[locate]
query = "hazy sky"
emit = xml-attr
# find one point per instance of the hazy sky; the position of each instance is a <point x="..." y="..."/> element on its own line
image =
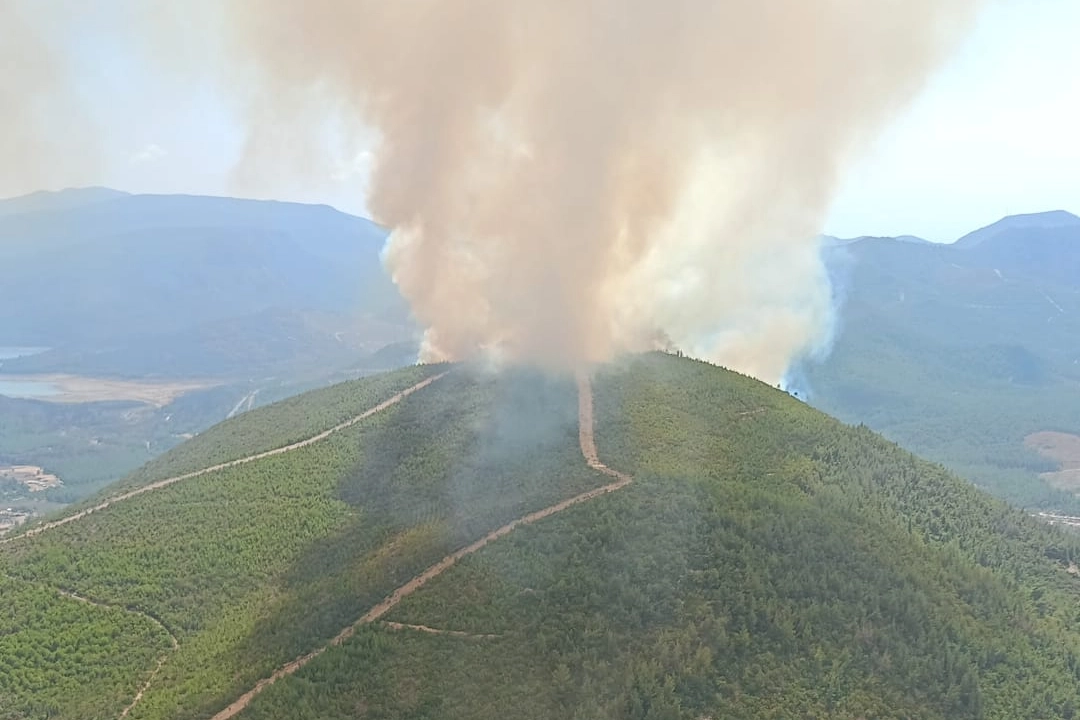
<point x="995" y="133"/>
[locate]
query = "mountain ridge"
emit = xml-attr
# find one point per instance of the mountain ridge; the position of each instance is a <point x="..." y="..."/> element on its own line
<point x="253" y="299"/>
<point x="250" y="293"/>
<point x="188" y="260"/>
<point x="53" y="200"/>
<point x="1025" y="221"/>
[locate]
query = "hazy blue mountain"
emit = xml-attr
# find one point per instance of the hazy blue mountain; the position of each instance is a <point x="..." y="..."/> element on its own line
<point x="960" y="351"/>
<point x="46" y="200"/>
<point x="276" y="341"/>
<point x="831" y="240"/>
<point x="92" y="271"/>
<point x="1009" y="226"/>
<point x="1045" y="246"/>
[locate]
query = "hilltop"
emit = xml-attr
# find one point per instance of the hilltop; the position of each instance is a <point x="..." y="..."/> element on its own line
<point x="667" y="540"/>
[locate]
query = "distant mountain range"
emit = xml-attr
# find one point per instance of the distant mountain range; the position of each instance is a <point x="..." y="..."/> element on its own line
<point x="960" y="351"/>
<point x="53" y="201"/>
<point x="148" y="285"/>
<point x="1054" y="221"/>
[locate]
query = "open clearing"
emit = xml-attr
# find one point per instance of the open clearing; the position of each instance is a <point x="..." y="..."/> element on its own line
<point x="80" y="389"/>
<point x="1064" y="448"/>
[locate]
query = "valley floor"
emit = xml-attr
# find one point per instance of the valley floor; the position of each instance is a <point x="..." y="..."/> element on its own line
<point x="63" y="388"/>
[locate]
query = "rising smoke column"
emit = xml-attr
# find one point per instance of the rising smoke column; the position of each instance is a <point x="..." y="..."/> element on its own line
<point x="46" y="137"/>
<point x="569" y="179"/>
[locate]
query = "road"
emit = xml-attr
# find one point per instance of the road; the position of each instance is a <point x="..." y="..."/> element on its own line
<point x="587" y="442"/>
<point x="157" y="485"/>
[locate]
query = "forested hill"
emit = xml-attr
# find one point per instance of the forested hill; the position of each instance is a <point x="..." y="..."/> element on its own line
<point x="449" y="553"/>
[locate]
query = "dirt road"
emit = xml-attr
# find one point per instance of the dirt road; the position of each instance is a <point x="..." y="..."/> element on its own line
<point x="106" y="606"/>
<point x="437" y="631"/>
<point x="221" y="466"/>
<point x="169" y="481"/>
<point x="161" y="660"/>
<point x="246" y="403"/>
<point x="160" y="625"/>
<point x="588" y="451"/>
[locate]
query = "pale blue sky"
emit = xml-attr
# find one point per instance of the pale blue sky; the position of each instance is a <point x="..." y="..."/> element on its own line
<point x="994" y="133"/>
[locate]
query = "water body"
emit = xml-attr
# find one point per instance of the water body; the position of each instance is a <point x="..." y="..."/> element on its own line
<point x="13" y="386"/>
<point x="17" y="387"/>
<point x="7" y="353"/>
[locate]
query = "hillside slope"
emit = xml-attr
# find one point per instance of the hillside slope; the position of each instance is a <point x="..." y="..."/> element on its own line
<point x="764" y="561"/>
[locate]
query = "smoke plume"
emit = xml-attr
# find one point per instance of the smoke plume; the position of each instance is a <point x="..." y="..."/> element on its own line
<point x="45" y="137"/>
<point x="564" y="179"/>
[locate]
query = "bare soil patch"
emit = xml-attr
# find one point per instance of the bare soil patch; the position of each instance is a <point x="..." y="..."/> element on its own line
<point x="1063" y="448"/>
<point x="80" y="389"/>
<point x="33" y="477"/>
<point x="437" y="631"/>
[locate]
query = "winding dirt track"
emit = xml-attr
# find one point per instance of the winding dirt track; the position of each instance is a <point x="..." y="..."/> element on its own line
<point x="231" y="463"/>
<point x="161" y="626"/>
<point x="437" y="631"/>
<point x="393" y="400"/>
<point x="588" y="451"/>
<point x="146" y="685"/>
<point x="80" y="598"/>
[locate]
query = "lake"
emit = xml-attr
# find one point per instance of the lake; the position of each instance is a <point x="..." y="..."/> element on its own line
<point x="7" y="353"/>
<point x="12" y="386"/>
